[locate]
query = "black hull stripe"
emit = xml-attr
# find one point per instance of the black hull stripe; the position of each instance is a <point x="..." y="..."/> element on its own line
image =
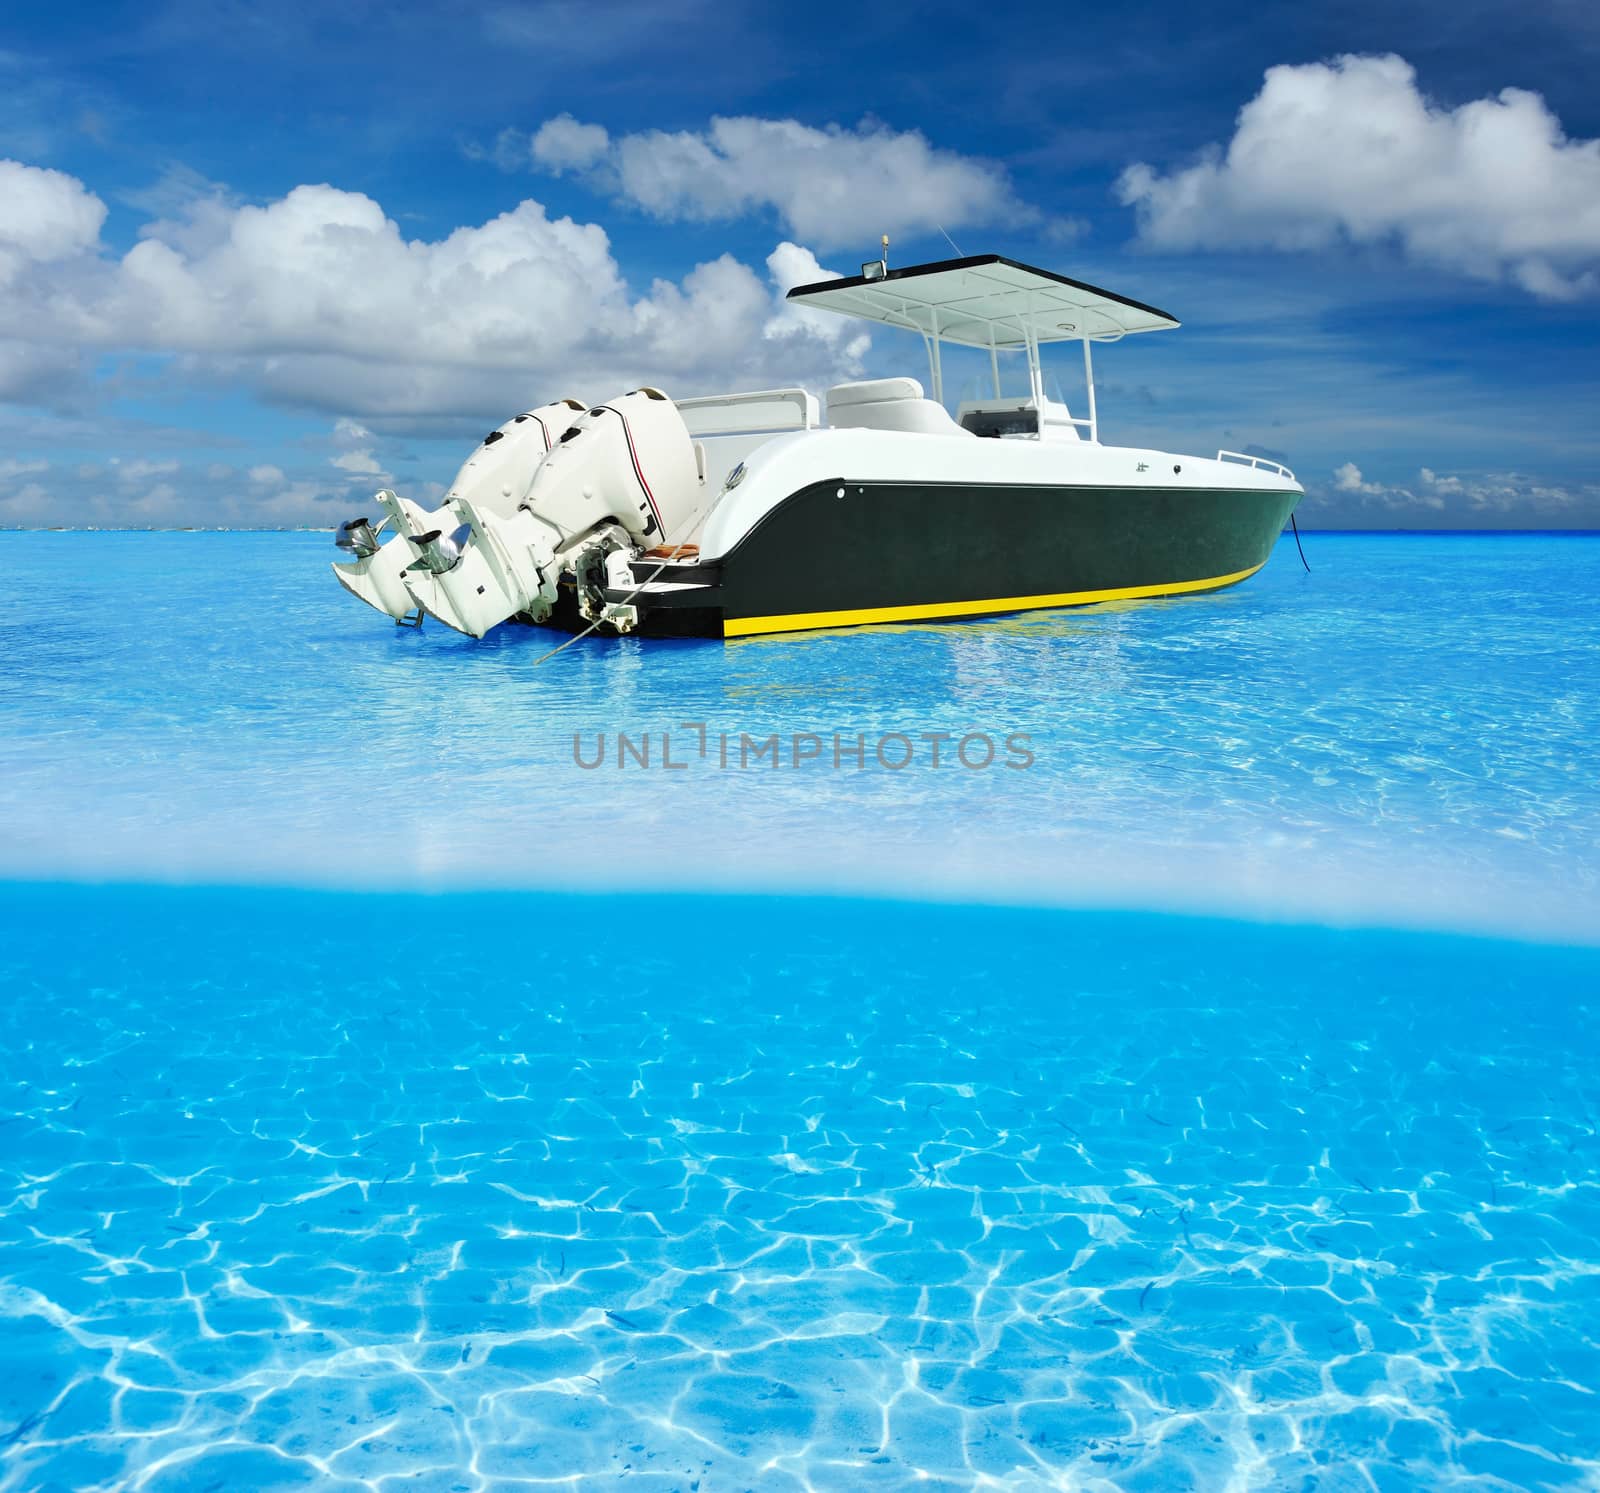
<point x="843" y="553"/>
<point x="897" y="551"/>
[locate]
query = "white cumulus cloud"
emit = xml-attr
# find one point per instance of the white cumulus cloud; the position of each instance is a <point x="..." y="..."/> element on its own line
<point x="790" y="265"/>
<point x="203" y="494"/>
<point x="318" y="299"/>
<point x="563" y="144"/>
<point x="1347" y="478"/>
<point x="1435" y="499"/>
<point x="141" y="470"/>
<point x="359" y="463"/>
<point x="832" y="186"/>
<point x="44" y="216"/>
<point x="1353" y="151"/>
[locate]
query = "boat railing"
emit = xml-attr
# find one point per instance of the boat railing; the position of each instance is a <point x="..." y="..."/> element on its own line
<point x="1256" y="461"/>
<point x="757" y="412"/>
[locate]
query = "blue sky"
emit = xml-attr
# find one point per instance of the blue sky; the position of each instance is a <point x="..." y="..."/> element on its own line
<point x="257" y="261"/>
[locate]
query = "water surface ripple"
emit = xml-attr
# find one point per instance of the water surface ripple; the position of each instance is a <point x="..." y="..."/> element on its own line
<point x="1407" y="733"/>
<point x="511" y="1191"/>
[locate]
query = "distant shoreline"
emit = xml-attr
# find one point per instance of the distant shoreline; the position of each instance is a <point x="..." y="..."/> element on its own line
<point x="329" y="529"/>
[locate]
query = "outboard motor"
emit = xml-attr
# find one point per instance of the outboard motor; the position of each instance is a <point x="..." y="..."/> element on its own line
<point x="621" y="478"/>
<point x="375" y="574"/>
<point x="497" y="473"/>
<point x="438" y="553"/>
<point x="357" y="538"/>
<point x="630" y="460"/>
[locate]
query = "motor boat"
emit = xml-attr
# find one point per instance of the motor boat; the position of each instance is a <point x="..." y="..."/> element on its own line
<point x="730" y="515"/>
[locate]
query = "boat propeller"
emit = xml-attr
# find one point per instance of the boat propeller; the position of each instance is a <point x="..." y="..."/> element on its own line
<point x="357" y="538"/>
<point x="439" y="552"/>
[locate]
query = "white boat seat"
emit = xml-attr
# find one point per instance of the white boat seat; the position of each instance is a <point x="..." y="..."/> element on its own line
<point x="873" y="391"/>
<point x="888" y="404"/>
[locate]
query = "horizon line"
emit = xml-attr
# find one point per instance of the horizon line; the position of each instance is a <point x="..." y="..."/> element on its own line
<point x="333" y="528"/>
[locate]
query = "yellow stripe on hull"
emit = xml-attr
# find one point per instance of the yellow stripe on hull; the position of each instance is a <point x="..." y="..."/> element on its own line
<point x="742" y="627"/>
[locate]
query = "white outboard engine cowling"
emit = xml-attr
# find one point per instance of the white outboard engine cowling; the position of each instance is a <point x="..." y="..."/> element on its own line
<point x="497" y="475"/>
<point x="630" y="461"/>
<point x="622" y="478"/>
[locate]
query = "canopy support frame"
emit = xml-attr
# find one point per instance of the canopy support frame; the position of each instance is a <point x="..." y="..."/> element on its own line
<point x="1088" y="379"/>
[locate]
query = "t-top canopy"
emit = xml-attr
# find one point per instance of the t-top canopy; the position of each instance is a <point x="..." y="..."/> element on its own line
<point x="985" y="301"/>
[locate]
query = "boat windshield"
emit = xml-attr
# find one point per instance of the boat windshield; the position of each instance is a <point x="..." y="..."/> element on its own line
<point x="1014" y="381"/>
<point x="1007" y="424"/>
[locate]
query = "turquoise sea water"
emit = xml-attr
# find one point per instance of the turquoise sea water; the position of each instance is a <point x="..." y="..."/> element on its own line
<point x="1407" y="733"/>
<point x="575" y="1183"/>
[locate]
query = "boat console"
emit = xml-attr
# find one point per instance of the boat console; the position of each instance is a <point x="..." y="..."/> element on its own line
<point x="1019" y="419"/>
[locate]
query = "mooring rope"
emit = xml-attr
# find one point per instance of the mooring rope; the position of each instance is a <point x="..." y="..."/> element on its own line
<point x="1296" y="527"/>
<point x="701" y="515"/>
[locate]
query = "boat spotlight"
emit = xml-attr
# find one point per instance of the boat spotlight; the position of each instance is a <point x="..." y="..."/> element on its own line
<point x="357" y="538"/>
<point x="438" y="552"/>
